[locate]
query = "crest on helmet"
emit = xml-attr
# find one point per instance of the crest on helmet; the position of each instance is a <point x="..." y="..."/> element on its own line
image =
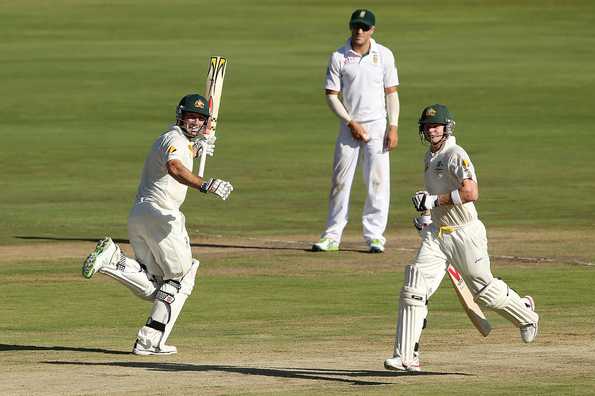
<point x="430" y="112"/>
<point x="199" y="104"/>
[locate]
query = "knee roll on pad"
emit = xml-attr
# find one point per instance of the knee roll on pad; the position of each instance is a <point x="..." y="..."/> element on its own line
<point x="505" y="301"/>
<point x="167" y="292"/>
<point x="494" y="295"/>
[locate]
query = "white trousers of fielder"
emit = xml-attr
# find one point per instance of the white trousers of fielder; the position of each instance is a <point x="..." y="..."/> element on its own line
<point x="376" y="173"/>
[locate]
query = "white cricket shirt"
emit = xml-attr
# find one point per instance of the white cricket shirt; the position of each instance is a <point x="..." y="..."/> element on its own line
<point x="362" y="79"/>
<point x="445" y="171"/>
<point x="156" y="185"/>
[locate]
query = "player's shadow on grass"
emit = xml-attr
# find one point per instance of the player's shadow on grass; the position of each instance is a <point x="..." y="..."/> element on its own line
<point x="198" y="245"/>
<point x="8" y="347"/>
<point x="354" y="377"/>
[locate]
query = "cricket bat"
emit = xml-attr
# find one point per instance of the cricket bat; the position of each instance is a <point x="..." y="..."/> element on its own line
<point x="473" y="310"/>
<point x="213" y="91"/>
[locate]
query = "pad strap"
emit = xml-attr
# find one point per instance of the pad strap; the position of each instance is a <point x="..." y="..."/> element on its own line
<point x="155" y="325"/>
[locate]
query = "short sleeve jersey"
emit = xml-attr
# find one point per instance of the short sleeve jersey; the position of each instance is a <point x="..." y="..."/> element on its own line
<point x="156" y="185"/>
<point x="445" y="171"/>
<point x="362" y="79"/>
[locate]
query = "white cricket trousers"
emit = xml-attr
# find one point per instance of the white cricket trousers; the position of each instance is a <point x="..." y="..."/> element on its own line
<point x="465" y="247"/>
<point x="160" y="240"/>
<point x="376" y="173"/>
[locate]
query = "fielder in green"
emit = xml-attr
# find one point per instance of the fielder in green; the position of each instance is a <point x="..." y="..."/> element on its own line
<point x="452" y="235"/>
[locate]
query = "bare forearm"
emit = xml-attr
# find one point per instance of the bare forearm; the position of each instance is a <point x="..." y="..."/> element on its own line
<point x="183" y="175"/>
<point x="468" y="192"/>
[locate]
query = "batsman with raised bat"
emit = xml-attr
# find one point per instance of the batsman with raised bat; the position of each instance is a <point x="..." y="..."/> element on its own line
<point x="453" y="235"/>
<point x="162" y="270"/>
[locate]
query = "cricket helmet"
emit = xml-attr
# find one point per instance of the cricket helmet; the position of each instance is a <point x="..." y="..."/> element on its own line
<point x="436" y="114"/>
<point x="193" y="103"/>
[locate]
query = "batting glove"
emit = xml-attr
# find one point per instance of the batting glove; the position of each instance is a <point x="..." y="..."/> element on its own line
<point x="206" y="144"/>
<point x="420" y="222"/>
<point x="219" y="187"/>
<point x="422" y="200"/>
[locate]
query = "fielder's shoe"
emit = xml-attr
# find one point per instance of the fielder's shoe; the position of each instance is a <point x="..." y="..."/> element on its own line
<point x="326" y="245"/>
<point x="148" y="350"/>
<point x="105" y="252"/>
<point x="396" y="364"/>
<point x="376" y="246"/>
<point x="529" y="331"/>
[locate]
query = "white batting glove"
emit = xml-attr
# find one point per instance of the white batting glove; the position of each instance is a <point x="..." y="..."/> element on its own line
<point x="206" y="144"/>
<point x="219" y="187"/>
<point x="422" y="200"/>
<point x="421" y="222"/>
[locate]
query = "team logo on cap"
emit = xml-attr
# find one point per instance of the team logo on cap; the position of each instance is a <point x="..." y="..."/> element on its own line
<point x="199" y="104"/>
<point x="430" y="112"/>
<point x="362" y="13"/>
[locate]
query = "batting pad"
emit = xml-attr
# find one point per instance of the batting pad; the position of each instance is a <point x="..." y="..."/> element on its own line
<point x="505" y="301"/>
<point x="412" y="314"/>
<point x="169" y="300"/>
<point x="130" y="273"/>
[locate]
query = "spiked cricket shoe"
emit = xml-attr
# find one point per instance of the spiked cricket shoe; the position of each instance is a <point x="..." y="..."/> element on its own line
<point x="326" y="245"/>
<point x="148" y="350"/>
<point x="376" y="246"/>
<point x="396" y="364"/>
<point x="529" y="331"/>
<point x="104" y="254"/>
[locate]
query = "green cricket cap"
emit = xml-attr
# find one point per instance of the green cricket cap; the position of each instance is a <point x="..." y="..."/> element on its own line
<point x="362" y="16"/>
<point x="193" y="103"/>
<point x="435" y="114"/>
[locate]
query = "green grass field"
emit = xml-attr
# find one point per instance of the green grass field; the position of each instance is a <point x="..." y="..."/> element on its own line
<point x="88" y="85"/>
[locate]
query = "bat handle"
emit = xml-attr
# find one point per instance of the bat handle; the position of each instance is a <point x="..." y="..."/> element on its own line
<point x="201" y="166"/>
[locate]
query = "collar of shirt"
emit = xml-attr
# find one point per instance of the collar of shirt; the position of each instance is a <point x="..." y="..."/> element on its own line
<point x="179" y="131"/>
<point x="450" y="141"/>
<point x="373" y="48"/>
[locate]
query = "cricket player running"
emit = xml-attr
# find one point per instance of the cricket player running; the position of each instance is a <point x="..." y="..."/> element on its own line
<point x="454" y="235"/>
<point x="163" y="269"/>
<point x="364" y="73"/>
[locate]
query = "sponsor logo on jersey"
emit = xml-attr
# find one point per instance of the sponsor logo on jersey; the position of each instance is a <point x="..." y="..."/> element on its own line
<point x="375" y="59"/>
<point x="465" y="164"/>
<point x="171" y="150"/>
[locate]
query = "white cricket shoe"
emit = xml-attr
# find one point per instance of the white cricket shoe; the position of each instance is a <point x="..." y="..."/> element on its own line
<point x="106" y="253"/>
<point x="396" y="364"/>
<point x="529" y="331"/>
<point x="326" y="245"/>
<point x="376" y="246"/>
<point x="149" y="350"/>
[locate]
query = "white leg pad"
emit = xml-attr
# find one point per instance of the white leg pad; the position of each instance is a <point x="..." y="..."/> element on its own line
<point x="131" y="274"/>
<point x="505" y="301"/>
<point x="169" y="300"/>
<point x="412" y="314"/>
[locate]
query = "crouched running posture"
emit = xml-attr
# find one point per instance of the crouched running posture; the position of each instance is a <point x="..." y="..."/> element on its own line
<point x="163" y="270"/>
<point x="453" y="235"/>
